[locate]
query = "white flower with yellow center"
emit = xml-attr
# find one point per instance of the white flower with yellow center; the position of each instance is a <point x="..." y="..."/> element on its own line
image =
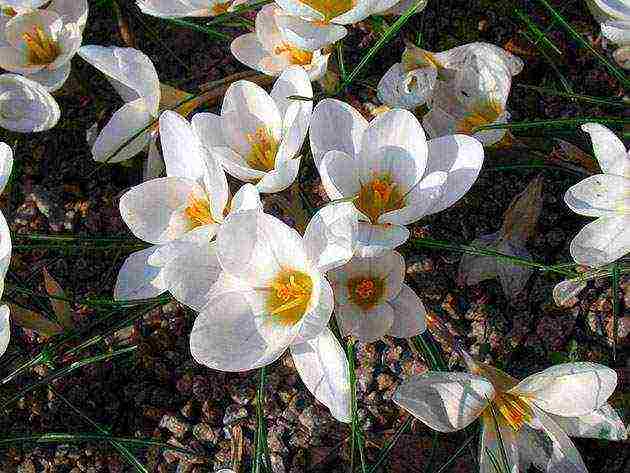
<point x="272" y="295"/>
<point x="534" y="416"/>
<point x="394" y="175"/>
<point x="41" y="43"/>
<point x="186" y="8"/>
<point x="258" y="136"/>
<point x="465" y="87"/>
<point x="371" y="299"/>
<point x="178" y="214"/>
<point x="26" y="106"/>
<point x="269" y="51"/>
<point x="605" y="196"/>
<point x="6" y="164"/>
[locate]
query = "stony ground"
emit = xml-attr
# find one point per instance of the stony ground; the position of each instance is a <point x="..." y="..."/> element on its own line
<point x="161" y="392"/>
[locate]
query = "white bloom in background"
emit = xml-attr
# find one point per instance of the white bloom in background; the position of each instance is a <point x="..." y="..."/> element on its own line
<point x="614" y="17"/>
<point x="394" y="174"/>
<point x="465" y="87"/>
<point x="272" y="295"/>
<point x="6" y="164"/>
<point x="371" y="299"/>
<point x="40" y="44"/>
<point x="179" y="215"/>
<point x="605" y="196"/>
<point x="534" y="416"/>
<point x="26" y="106"/>
<point x="270" y="52"/>
<point x="71" y="11"/>
<point x="314" y="24"/>
<point x="400" y="7"/>
<point x="185" y="8"/>
<point x="258" y="136"/>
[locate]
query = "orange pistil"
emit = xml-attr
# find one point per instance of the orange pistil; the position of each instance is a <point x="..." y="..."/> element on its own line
<point x="42" y="49"/>
<point x="513" y="409"/>
<point x="262" y="155"/>
<point x="198" y="211"/>
<point x="296" y="56"/>
<point x="365" y="292"/>
<point x="221" y="8"/>
<point x="484" y="113"/>
<point x="379" y="196"/>
<point x="289" y="296"/>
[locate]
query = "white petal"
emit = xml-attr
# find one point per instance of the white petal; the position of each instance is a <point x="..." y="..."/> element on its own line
<point x="25" y="105"/>
<point x="394" y="91"/>
<point x="137" y="279"/>
<point x="445" y="401"/>
<point x="409" y="314"/>
<point x="5" y="250"/>
<point x="316" y="320"/>
<point x="323" y="367"/>
<point x="280" y="178"/>
<point x="176" y="8"/>
<point x="235" y="165"/>
<point x="368" y="325"/>
<point x="5" y="329"/>
<point x="617" y="32"/>
<point x="298" y="8"/>
<point x="339" y="174"/>
<point x="335" y="125"/>
<point x="246" y="198"/>
<point x="609" y="150"/>
<point x="184" y="155"/>
<point x="52" y="79"/>
<point x="376" y="239"/>
<point x="154" y="164"/>
<point x="71" y="11"/>
<point x="246" y="98"/>
<point x="249" y="50"/>
<point x="208" y="128"/>
<point x="569" y="389"/>
<point x="599" y="195"/>
<point x="266" y="28"/>
<point x="604" y="423"/>
<point x="603" y="241"/>
<point x="308" y="35"/>
<point x="293" y="81"/>
<point x="330" y="236"/>
<point x="6" y="164"/>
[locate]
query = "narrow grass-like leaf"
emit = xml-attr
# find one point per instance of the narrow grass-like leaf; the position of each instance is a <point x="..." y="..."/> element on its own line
<point x="504" y="457"/>
<point x="554" y="123"/>
<point x="616" y="306"/>
<point x="387" y="448"/>
<point x="584" y="98"/>
<point x="456" y="455"/>
<point x="261" y="429"/>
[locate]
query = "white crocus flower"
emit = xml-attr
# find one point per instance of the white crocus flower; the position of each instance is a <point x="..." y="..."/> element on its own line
<point x="272" y="295"/>
<point x="314" y="24"/>
<point x="71" y="11"/>
<point x="269" y="51"/>
<point x="394" y="174"/>
<point x="259" y="135"/>
<point x="187" y="8"/>
<point x="26" y="106"/>
<point x="177" y="214"/>
<point x="6" y="164"/>
<point x="465" y="87"/>
<point x="605" y="196"/>
<point x="40" y="44"/>
<point x="614" y="17"/>
<point x="371" y="299"/>
<point x="400" y="7"/>
<point x="534" y="416"/>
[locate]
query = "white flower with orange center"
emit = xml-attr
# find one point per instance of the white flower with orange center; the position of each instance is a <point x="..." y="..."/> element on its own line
<point x="371" y="299"/>
<point x="178" y="214"/>
<point x="26" y="106"/>
<point x="41" y="43"/>
<point x="188" y="8"/>
<point x="258" y="136"/>
<point x="269" y="51"/>
<point x="534" y="416"/>
<point x="272" y="295"/>
<point x="6" y="165"/>
<point x="604" y="196"/>
<point x="465" y="87"/>
<point x="394" y="175"/>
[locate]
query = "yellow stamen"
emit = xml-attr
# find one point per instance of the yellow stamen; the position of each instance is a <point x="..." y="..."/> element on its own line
<point x="514" y="410"/>
<point x="366" y="292"/>
<point x="415" y="58"/>
<point x="42" y="49"/>
<point x="330" y="8"/>
<point x="289" y="296"/>
<point x="296" y="56"/>
<point x="198" y="211"/>
<point x="484" y="113"/>
<point x="379" y="196"/>
<point x="262" y="156"/>
<point x="221" y="8"/>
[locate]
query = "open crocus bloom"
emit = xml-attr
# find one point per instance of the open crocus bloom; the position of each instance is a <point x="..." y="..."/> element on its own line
<point x="6" y="164"/>
<point x="465" y="87"/>
<point x="26" y="106"/>
<point x="313" y="24"/>
<point x="40" y="45"/>
<point x="371" y="299"/>
<point x="394" y="174"/>
<point x="178" y="214"/>
<point x="185" y="8"/>
<point x="269" y="51"/>
<point x="399" y="7"/>
<point x="534" y="416"/>
<point x="259" y="135"/>
<point x="272" y="295"/>
<point x="605" y="196"/>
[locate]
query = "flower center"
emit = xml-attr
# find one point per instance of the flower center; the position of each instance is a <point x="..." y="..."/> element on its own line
<point x="330" y="8"/>
<point x="296" y="56"/>
<point x="417" y="58"/>
<point x="289" y="296"/>
<point x="42" y="49"/>
<point x="481" y="114"/>
<point x="198" y="211"/>
<point x="365" y="292"/>
<point x="220" y="8"/>
<point x="513" y="409"/>
<point x="262" y="156"/>
<point x="379" y="196"/>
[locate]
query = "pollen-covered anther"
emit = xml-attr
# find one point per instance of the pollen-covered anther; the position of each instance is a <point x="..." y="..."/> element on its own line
<point x="366" y="292"/>
<point x="289" y="296"/>
<point x="42" y="49"/>
<point x="264" y="147"/>
<point x="379" y="196"/>
<point x="198" y="211"/>
<point x="331" y="8"/>
<point x="484" y="113"/>
<point x="296" y="56"/>
<point x="514" y="410"/>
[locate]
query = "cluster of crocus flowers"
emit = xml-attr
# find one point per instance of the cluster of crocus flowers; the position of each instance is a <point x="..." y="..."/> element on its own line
<point x="465" y="88"/>
<point x="605" y="196"/>
<point x="524" y="423"/>
<point x="6" y="164"/>
<point x="394" y="175"/>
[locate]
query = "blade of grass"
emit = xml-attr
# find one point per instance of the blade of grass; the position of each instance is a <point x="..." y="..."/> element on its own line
<point x="556" y="122"/>
<point x="355" y="440"/>
<point x="616" y="308"/>
<point x="201" y="29"/>
<point x="260" y="434"/>
<point x="387" y="448"/>
<point x="504" y="457"/>
<point x="456" y="455"/>
<point x="584" y="98"/>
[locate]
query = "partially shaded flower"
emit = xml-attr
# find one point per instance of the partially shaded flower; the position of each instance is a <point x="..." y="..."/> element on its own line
<point x="186" y="8"/>
<point x="270" y="51"/>
<point x="605" y="196"/>
<point x="534" y="417"/>
<point x="395" y="176"/>
<point x="258" y="136"/>
<point x="371" y="299"/>
<point x="25" y="105"/>
<point x="6" y="164"/>
<point x="272" y="295"/>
